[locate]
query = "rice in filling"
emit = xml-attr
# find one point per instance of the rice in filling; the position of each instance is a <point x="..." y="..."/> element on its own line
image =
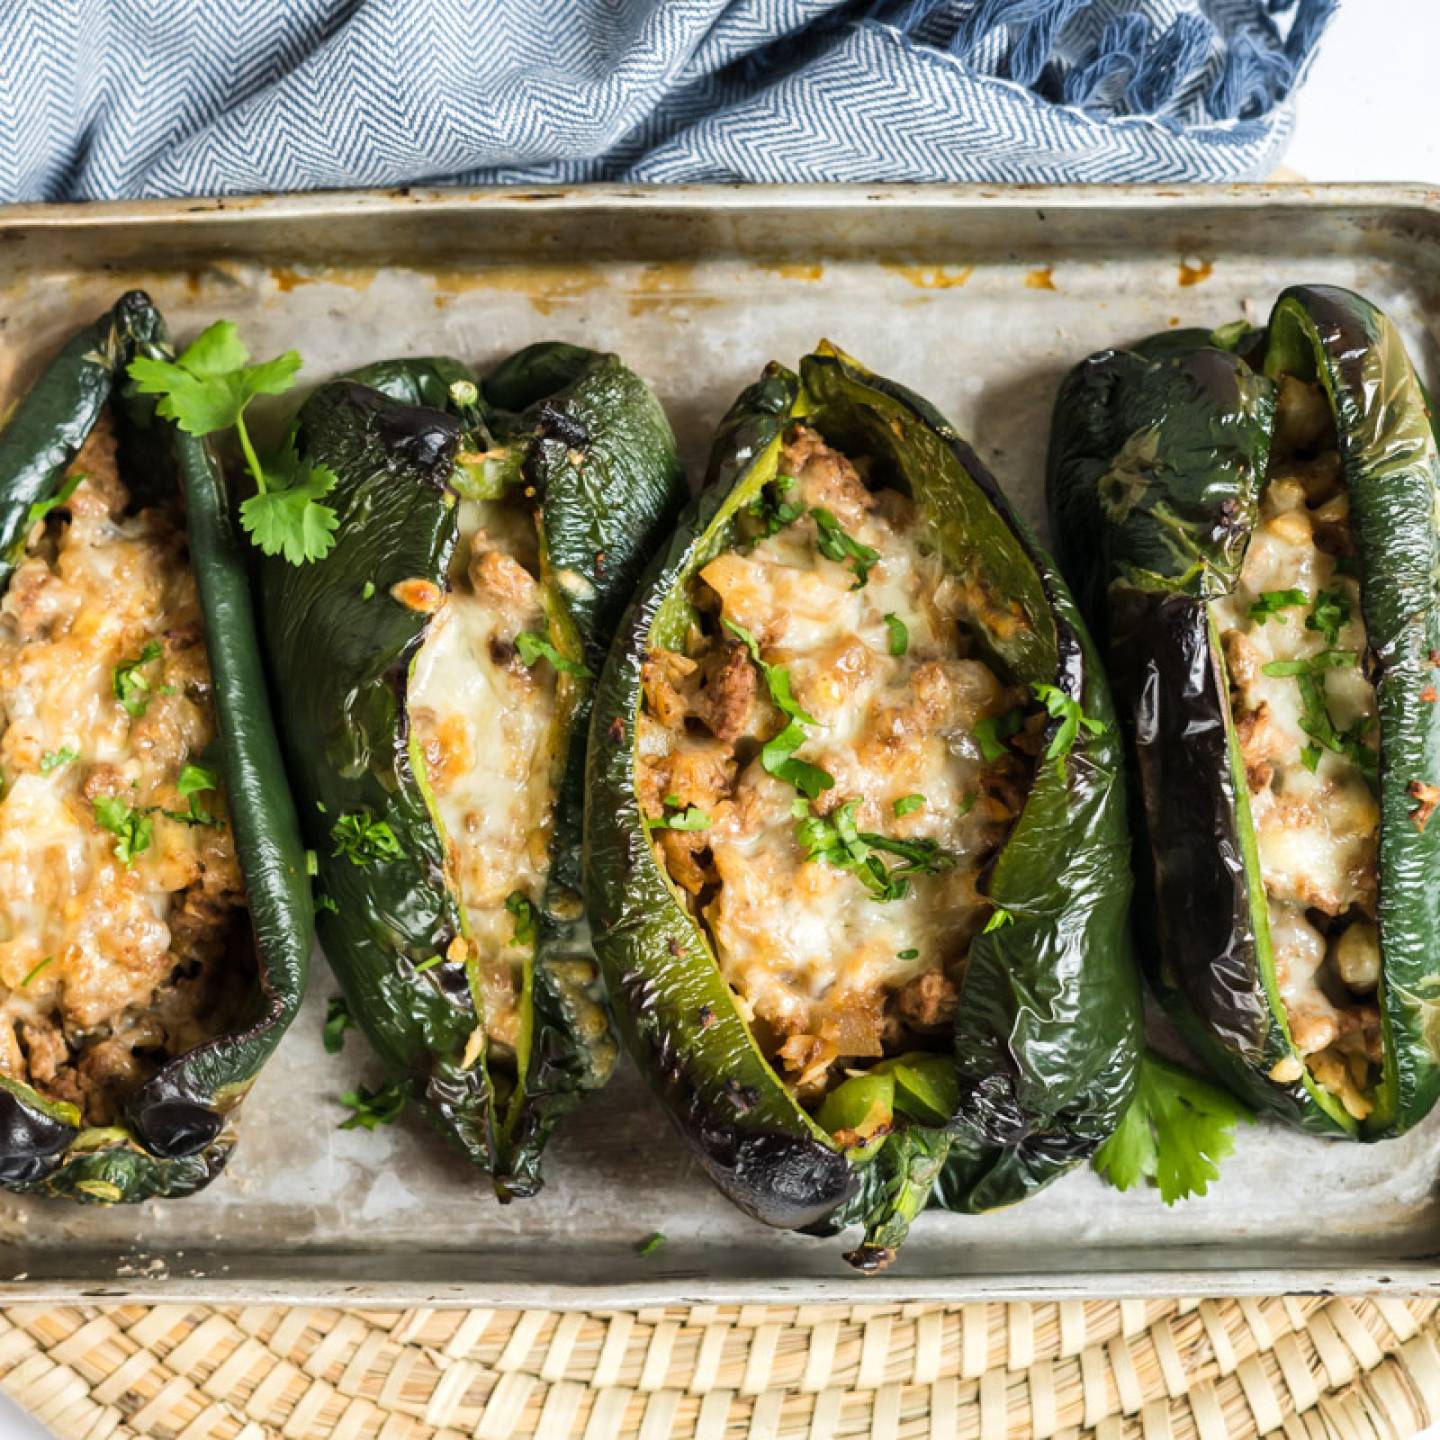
<point x="827" y="971"/>
<point x="1305" y="717"/>
<point x="123" y="935"/>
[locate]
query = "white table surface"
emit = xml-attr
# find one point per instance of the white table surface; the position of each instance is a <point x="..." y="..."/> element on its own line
<point x="1370" y="111"/>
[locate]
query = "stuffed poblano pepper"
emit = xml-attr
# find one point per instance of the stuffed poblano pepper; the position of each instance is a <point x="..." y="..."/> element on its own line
<point x="1251" y="516"/>
<point x="856" y="848"/>
<point x="435" y="673"/>
<point x="155" y="918"/>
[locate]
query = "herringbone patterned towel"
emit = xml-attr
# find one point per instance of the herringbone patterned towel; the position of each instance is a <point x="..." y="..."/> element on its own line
<point x="111" y="98"/>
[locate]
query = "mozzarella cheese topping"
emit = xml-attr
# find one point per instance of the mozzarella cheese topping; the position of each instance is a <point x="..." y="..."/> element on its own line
<point x="1307" y="742"/>
<point x="823" y="968"/>
<point x="107" y="965"/>
<point x="486" y="725"/>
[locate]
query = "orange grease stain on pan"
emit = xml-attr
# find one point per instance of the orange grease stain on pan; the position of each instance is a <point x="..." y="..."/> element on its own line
<point x="668" y="284"/>
<point x="1197" y="273"/>
<point x="933" y="277"/>
<point x="350" y="277"/>
<point x="1041" y="279"/>
<point x="545" y="286"/>
<point x="795" y="271"/>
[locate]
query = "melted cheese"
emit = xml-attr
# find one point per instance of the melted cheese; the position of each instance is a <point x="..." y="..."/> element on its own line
<point x="807" y="948"/>
<point x="1317" y="832"/>
<point x="96" y="937"/>
<point x="486" y="727"/>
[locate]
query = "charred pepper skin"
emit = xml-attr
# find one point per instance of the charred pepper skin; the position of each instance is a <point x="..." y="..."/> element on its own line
<point x="1157" y="459"/>
<point x="1037" y="1095"/>
<point x="178" y="1129"/>
<point x="597" y="460"/>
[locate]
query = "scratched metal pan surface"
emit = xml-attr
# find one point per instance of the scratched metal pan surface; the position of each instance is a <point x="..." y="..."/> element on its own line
<point x="980" y="300"/>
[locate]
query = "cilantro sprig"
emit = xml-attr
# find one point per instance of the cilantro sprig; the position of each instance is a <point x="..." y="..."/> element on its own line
<point x="207" y="388"/>
<point x="1175" y="1132"/>
<point x="363" y="839"/>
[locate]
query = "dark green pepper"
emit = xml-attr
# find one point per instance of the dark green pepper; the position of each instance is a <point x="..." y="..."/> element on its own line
<point x="178" y="1127"/>
<point x="1158" y="465"/>
<point x="580" y="443"/>
<point x="1048" y="1023"/>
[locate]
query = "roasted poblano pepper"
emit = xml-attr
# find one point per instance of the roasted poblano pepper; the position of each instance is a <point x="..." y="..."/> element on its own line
<point x="1251" y="518"/>
<point x="168" y="1072"/>
<point x="435" y="674"/>
<point x="856" y="967"/>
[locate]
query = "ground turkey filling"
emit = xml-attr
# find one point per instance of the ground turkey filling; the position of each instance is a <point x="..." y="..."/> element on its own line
<point x="1305" y="717"/>
<point x="122" y="934"/>
<point x="486" y="723"/>
<point x="853" y="619"/>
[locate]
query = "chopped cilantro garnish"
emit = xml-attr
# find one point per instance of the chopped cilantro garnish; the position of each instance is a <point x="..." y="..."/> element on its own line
<point x="534" y="647"/>
<point x="131" y="828"/>
<point x="1000" y="918"/>
<point x="41" y="508"/>
<point x="131" y="688"/>
<point x="1331" y="611"/>
<point x="363" y="840"/>
<point x="907" y="954"/>
<point x="908" y="804"/>
<point x="899" y="634"/>
<point x="992" y="732"/>
<point x="650" y="1244"/>
<point x="1272" y="602"/>
<point x="207" y="388"/>
<point x="835" y="544"/>
<point x="1310" y="664"/>
<point x="326" y="902"/>
<point x="38" y="969"/>
<point x="194" y="781"/>
<point x="337" y="1021"/>
<point x="429" y="964"/>
<point x="367" y="590"/>
<point x="53" y="759"/>
<point x="373" y="1107"/>
<point x="1071" y="717"/>
<point x="1310" y="757"/>
<point x="836" y="840"/>
<point x="1175" y="1132"/>
<point x="771" y="510"/>
<point x="680" y="818"/>
<point x="524" y="915"/>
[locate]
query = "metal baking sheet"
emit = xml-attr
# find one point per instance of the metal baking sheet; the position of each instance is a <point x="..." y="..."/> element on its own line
<point x="979" y="299"/>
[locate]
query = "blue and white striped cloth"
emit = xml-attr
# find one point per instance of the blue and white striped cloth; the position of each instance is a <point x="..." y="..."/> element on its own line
<point x="106" y="98"/>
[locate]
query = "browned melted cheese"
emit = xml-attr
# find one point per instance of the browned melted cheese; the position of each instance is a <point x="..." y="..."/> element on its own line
<point x="825" y="971"/>
<point x="106" y="968"/>
<point x="1317" y="830"/>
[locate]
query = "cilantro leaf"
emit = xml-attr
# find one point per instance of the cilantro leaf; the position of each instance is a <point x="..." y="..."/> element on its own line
<point x="363" y="840"/>
<point x="993" y="731"/>
<point x="1175" y="1132"/>
<point x="337" y="1022"/>
<point x="54" y="759"/>
<point x="1072" y="718"/>
<point x="908" y="804"/>
<point x="41" y="508"/>
<point x="899" y="634"/>
<point x="771" y="510"/>
<point x="687" y="818"/>
<point x="1310" y="664"/>
<point x="195" y="780"/>
<point x="838" y="841"/>
<point x="130" y="687"/>
<point x="374" y="1107"/>
<point x="777" y="759"/>
<point x="1000" y="917"/>
<point x="650" y="1244"/>
<point x="131" y="828"/>
<point x="1272" y="602"/>
<point x="834" y="543"/>
<point x="534" y="647"/>
<point x="524" y="913"/>
<point x="1331" y="611"/>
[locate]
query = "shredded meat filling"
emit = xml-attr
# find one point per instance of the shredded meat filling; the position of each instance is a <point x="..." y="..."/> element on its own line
<point x="122" y="935"/>
<point x="861" y="657"/>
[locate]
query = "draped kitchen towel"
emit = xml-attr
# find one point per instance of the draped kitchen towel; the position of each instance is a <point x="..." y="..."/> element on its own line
<point x="107" y="98"/>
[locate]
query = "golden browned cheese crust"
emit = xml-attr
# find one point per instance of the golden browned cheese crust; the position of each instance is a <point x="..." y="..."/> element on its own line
<point x="108" y="968"/>
<point x="824" y="970"/>
<point x="1315" y="813"/>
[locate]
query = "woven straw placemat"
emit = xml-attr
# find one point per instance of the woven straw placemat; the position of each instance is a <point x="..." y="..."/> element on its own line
<point x="1306" y="1367"/>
